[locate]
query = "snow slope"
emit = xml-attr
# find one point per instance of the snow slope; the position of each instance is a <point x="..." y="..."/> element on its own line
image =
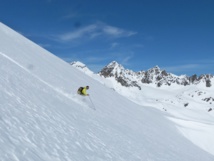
<point x="190" y="107"/>
<point x="42" y="118"/>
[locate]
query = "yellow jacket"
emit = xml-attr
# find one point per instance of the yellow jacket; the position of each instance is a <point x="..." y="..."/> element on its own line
<point x="84" y="91"/>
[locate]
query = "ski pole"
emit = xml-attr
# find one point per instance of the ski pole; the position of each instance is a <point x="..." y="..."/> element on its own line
<point x="92" y="103"/>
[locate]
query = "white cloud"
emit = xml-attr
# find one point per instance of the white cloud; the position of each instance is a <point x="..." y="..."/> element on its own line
<point x="78" y="34"/>
<point x="117" y="32"/>
<point x="113" y="45"/>
<point x="126" y="59"/>
<point x="96" y="30"/>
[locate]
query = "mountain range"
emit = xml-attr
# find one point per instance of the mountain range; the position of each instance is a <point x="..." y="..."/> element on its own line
<point x="124" y="81"/>
<point x="155" y="75"/>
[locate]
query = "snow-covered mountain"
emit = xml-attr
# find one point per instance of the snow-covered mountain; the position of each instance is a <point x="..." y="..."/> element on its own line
<point x="43" y="119"/>
<point x="192" y="102"/>
<point x="154" y="75"/>
<point x="121" y="79"/>
<point x="82" y="67"/>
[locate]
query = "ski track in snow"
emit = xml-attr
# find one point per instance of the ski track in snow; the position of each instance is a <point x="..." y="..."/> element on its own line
<point x="73" y="97"/>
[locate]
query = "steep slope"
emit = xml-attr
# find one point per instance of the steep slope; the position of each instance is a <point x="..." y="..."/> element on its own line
<point x="43" y="119"/>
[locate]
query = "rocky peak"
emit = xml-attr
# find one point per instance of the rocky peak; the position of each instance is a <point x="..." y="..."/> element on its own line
<point x="154" y="70"/>
<point x="205" y="78"/>
<point x="152" y="76"/>
<point x="112" y="69"/>
<point x="123" y="76"/>
<point x="114" y="64"/>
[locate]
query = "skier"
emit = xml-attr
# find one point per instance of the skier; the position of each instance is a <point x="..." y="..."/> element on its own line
<point x="82" y="91"/>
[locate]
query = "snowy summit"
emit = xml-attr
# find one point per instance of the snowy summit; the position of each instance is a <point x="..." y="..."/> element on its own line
<point x="82" y="67"/>
<point x="43" y="119"/>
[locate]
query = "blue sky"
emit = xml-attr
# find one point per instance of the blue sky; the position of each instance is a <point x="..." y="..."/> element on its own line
<point x="176" y="35"/>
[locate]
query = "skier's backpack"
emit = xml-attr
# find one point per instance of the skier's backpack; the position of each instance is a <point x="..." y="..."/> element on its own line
<point x="80" y="90"/>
